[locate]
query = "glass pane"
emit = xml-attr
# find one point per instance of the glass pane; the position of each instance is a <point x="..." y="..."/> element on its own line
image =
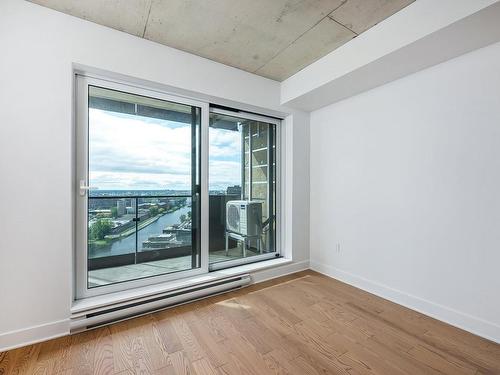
<point x="143" y="208"/>
<point x="169" y="236"/>
<point x="111" y="237"/>
<point x="241" y="188"/>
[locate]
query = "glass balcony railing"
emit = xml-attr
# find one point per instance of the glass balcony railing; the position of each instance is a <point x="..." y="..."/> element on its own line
<point x="130" y="229"/>
<point x="135" y="236"/>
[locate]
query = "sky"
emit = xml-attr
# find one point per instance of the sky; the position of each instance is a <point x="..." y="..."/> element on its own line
<point x="128" y="152"/>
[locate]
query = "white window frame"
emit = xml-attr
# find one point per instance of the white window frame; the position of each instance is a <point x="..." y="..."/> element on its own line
<point x="277" y="247"/>
<point x="82" y="81"/>
<point x="82" y="84"/>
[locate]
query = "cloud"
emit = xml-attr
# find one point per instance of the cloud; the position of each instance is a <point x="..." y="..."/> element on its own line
<point x="132" y="152"/>
<point x="225" y="144"/>
<point x="223" y="174"/>
<point x="131" y="144"/>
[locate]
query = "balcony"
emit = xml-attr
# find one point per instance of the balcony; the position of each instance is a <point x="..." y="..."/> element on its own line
<point x="136" y="236"/>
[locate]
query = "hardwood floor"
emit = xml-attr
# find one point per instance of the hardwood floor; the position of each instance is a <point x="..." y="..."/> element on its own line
<point x="304" y="323"/>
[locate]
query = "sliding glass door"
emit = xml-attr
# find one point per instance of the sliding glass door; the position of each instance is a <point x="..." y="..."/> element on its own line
<point x="139" y="187"/>
<point x="242" y="188"/>
<point x="167" y="188"/>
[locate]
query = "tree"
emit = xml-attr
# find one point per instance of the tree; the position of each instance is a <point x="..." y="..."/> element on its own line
<point x="183" y="218"/>
<point x="100" y="228"/>
<point x="114" y="212"/>
<point x="153" y="210"/>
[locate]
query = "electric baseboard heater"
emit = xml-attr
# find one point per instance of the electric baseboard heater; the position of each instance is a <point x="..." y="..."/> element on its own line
<point x="133" y="308"/>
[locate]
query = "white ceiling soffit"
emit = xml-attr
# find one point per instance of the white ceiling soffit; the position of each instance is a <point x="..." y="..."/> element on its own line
<point x="271" y="38"/>
<point x="422" y="35"/>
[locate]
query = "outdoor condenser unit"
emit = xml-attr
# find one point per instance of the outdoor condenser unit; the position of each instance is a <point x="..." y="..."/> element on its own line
<point x="244" y="217"/>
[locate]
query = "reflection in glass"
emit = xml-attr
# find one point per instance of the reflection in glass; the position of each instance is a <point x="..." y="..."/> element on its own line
<point x="242" y="188"/>
<point x="143" y="218"/>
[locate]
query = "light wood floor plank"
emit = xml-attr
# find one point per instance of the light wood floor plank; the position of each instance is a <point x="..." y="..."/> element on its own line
<point x="304" y="323"/>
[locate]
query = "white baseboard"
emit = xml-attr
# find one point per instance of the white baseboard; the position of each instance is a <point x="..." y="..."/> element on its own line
<point x="32" y="335"/>
<point x="43" y="332"/>
<point x="272" y="273"/>
<point x="469" y="323"/>
<point x="15" y="339"/>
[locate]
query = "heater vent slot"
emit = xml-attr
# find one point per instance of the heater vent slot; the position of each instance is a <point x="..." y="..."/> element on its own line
<point x="155" y="303"/>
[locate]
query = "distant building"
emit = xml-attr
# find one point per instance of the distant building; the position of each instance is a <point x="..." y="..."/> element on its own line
<point x="120" y="207"/>
<point x="233" y="190"/>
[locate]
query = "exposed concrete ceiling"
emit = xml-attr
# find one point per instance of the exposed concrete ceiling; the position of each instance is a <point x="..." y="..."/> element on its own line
<point x="271" y="38"/>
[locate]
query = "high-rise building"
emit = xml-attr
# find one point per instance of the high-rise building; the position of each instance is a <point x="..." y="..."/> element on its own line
<point x="120" y="207"/>
<point x="233" y="190"/>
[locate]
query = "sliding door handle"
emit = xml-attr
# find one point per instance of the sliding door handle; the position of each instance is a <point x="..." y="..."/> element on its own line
<point x="84" y="188"/>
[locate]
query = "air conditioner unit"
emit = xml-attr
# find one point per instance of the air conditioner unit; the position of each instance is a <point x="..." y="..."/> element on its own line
<point x="244" y="217"/>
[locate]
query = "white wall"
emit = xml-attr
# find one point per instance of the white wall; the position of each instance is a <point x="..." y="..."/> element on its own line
<point x="38" y="47"/>
<point x="406" y="178"/>
<point x="297" y="185"/>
